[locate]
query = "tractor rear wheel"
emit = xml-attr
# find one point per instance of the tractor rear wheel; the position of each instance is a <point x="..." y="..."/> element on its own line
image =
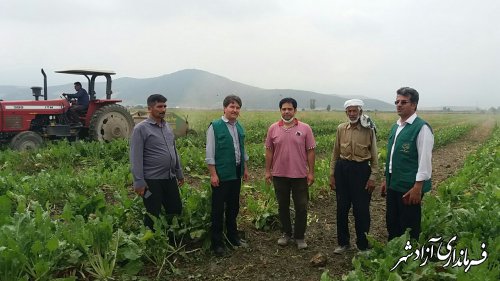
<point x="26" y="140"/>
<point x="111" y="122"/>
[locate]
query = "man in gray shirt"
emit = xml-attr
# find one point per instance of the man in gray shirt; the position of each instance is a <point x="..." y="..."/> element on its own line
<point x="155" y="163"/>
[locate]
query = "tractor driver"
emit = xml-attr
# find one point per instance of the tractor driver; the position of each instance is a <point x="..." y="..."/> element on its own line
<point x="82" y="102"/>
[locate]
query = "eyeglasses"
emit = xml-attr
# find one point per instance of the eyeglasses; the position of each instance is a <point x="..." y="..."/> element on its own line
<point x="402" y="102"/>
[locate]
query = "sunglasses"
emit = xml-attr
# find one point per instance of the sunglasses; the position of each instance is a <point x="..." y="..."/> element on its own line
<point x="402" y="102"/>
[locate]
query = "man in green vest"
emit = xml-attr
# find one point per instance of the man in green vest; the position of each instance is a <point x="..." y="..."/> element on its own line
<point x="408" y="166"/>
<point x="226" y="159"/>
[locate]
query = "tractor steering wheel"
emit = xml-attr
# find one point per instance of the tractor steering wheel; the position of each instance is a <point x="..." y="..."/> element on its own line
<point x="65" y="96"/>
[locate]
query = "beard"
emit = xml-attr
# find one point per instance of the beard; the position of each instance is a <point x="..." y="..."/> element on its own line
<point x="354" y="121"/>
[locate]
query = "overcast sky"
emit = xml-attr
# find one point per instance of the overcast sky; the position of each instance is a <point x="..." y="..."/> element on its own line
<point x="449" y="50"/>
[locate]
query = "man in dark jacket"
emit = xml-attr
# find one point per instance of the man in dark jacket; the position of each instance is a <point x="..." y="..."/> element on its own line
<point x="82" y="102"/>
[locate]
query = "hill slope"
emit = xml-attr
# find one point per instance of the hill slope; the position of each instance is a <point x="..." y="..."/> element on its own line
<point x="198" y="89"/>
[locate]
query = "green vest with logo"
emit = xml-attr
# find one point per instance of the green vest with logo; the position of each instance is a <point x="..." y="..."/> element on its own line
<point x="405" y="158"/>
<point x="225" y="160"/>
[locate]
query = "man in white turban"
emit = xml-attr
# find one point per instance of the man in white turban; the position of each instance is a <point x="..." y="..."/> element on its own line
<point x="352" y="175"/>
<point x="356" y="114"/>
<point x="364" y="119"/>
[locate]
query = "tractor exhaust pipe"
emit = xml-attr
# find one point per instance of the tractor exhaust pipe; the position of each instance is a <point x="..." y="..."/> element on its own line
<point x="44" y="85"/>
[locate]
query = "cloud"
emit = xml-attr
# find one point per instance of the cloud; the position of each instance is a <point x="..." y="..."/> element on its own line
<point x="445" y="49"/>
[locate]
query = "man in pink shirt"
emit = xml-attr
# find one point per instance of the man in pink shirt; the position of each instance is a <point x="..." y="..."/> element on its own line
<point x="290" y="165"/>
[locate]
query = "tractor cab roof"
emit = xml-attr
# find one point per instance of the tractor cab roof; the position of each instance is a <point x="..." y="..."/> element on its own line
<point x="87" y="72"/>
<point x="93" y="73"/>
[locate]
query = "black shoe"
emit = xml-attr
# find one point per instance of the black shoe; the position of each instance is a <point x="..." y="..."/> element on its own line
<point x="219" y="251"/>
<point x="235" y="242"/>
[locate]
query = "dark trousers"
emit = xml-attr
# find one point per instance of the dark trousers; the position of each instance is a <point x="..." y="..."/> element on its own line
<point x="300" y="195"/>
<point x="75" y="111"/>
<point x="350" y="181"/>
<point x="225" y="201"/>
<point x="165" y="192"/>
<point x="399" y="216"/>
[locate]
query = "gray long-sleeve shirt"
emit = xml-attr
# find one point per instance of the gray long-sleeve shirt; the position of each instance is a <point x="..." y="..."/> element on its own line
<point x="153" y="154"/>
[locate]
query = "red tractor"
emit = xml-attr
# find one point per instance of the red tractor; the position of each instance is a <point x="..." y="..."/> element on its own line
<point x="25" y="124"/>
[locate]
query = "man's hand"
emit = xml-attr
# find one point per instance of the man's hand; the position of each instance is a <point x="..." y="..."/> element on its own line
<point x="310" y="179"/>
<point x="180" y="182"/>
<point x="140" y="191"/>
<point x="370" y="186"/>
<point x="332" y="183"/>
<point x="245" y="173"/>
<point x="214" y="180"/>
<point x="383" y="189"/>
<point x="414" y="195"/>
<point x="269" y="177"/>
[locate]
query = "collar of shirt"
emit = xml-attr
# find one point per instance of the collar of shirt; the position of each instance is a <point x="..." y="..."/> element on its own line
<point x="353" y="126"/>
<point x="227" y="120"/>
<point x="408" y="121"/>
<point x="152" y="121"/>
<point x="282" y="123"/>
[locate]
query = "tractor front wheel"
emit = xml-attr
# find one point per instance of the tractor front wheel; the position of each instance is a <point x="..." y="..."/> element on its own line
<point x="111" y="122"/>
<point x="27" y="140"/>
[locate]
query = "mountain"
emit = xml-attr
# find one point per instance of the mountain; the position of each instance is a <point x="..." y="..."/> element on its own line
<point x="198" y="89"/>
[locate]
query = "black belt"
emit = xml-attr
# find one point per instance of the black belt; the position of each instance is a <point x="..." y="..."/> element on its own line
<point x="352" y="161"/>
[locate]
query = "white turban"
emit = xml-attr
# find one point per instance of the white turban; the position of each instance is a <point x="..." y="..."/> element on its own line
<point x="353" y="102"/>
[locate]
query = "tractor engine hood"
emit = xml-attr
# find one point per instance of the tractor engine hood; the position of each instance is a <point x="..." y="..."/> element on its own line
<point x="35" y="107"/>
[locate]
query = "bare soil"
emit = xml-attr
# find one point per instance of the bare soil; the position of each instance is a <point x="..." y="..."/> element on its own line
<point x="265" y="260"/>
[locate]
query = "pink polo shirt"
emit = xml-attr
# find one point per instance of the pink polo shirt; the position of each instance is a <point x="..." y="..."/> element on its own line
<point x="289" y="148"/>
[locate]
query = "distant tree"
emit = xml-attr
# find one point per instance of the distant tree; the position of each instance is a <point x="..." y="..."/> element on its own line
<point x="328" y="108"/>
<point x="492" y="110"/>
<point x="312" y="104"/>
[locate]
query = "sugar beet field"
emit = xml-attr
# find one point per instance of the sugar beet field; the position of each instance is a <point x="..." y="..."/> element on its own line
<point x="67" y="212"/>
